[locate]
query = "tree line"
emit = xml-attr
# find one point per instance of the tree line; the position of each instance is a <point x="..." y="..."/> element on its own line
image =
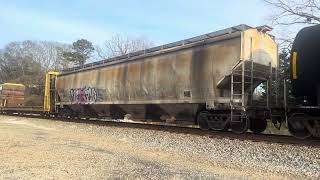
<point x="26" y="62"/>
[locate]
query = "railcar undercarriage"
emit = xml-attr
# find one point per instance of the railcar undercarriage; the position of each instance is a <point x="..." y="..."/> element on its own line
<point x="304" y="122"/>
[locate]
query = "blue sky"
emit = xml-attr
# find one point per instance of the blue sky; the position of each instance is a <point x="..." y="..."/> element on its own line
<point x="96" y="20"/>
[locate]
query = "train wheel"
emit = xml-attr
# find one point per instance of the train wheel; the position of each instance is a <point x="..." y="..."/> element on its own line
<point x="296" y="126"/>
<point x="241" y="126"/>
<point x="202" y="119"/>
<point x="257" y="126"/>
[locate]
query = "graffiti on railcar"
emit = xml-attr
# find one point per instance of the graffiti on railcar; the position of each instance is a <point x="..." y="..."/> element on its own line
<point x="85" y="95"/>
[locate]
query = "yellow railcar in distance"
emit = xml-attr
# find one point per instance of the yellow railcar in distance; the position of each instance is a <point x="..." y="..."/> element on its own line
<point x="50" y="92"/>
<point x="12" y="95"/>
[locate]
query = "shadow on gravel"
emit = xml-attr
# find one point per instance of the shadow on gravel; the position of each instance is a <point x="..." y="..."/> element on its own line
<point x="79" y="145"/>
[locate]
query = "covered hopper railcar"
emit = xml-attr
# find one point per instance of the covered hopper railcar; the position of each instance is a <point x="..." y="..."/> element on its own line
<point x="207" y="79"/>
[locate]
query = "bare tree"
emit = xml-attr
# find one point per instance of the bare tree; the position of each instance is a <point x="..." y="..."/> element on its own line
<point x="26" y="62"/>
<point x="16" y="66"/>
<point x="293" y="12"/>
<point x="292" y="15"/>
<point x="48" y="54"/>
<point x="119" y="45"/>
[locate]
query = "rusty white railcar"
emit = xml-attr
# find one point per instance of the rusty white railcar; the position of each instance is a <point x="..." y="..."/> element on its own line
<point x="207" y="80"/>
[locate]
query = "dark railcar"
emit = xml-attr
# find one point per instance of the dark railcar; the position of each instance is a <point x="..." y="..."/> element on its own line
<point x="305" y="65"/>
<point x="304" y="119"/>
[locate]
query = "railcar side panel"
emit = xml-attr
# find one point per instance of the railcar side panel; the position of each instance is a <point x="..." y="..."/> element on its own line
<point x="185" y="76"/>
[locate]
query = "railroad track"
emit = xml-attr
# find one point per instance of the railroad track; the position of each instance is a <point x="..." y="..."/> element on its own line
<point x="269" y="138"/>
<point x="193" y="130"/>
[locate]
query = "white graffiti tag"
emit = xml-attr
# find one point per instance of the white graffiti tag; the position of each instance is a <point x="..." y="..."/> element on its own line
<point x="85" y="95"/>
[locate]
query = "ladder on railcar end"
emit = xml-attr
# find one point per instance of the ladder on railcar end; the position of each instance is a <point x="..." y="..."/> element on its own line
<point x="247" y="73"/>
<point x="235" y="105"/>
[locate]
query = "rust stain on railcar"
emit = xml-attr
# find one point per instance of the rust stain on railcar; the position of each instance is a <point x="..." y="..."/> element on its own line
<point x="225" y="55"/>
<point x="148" y="79"/>
<point x="107" y="83"/>
<point x="183" y="75"/>
<point x="200" y="73"/>
<point x="166" y="81"/>
<point x="124" y="96"/>
<point x="133" y="84"/>
<point x="118" y="83"/>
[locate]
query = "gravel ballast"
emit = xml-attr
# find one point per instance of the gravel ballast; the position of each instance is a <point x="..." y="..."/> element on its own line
<point x="32" y="148"/>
